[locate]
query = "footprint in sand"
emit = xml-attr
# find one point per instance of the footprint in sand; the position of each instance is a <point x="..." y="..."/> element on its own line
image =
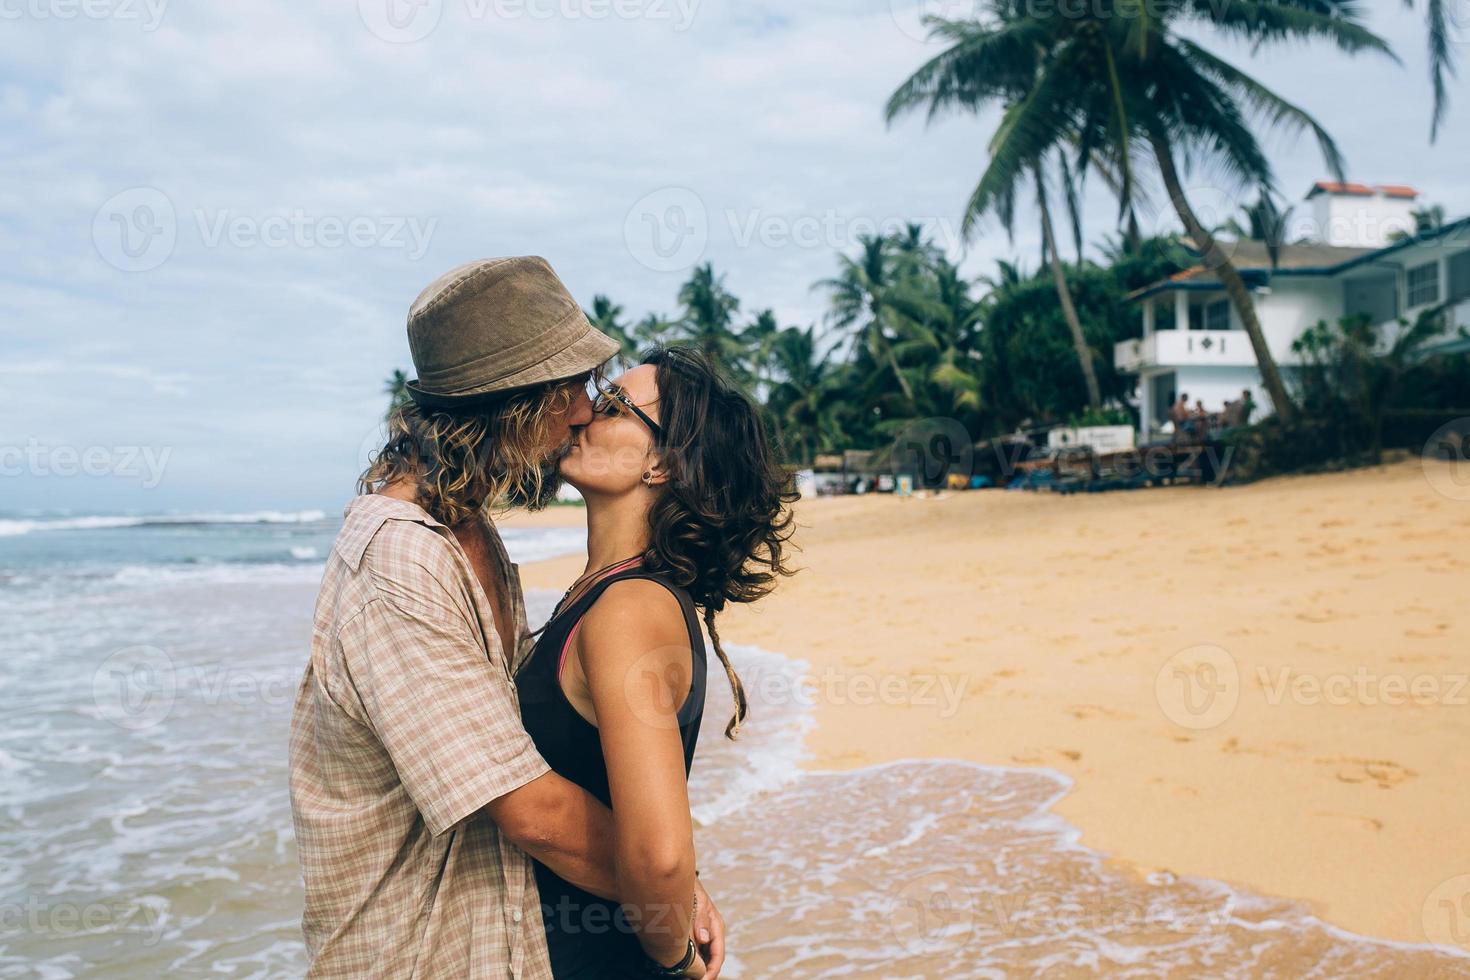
<point x="1086" y="712"/>
<point x="1382" y="773"/>
<point x="1362" y="823"/>
<point x="1319" y="615"/>
<point x="1422" y="658"/>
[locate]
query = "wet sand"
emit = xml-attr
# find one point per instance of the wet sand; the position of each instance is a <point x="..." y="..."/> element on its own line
<point x="1262" y="685"/>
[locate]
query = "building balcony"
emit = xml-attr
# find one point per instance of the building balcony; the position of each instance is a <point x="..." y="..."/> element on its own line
<point x="1185" y="348"/>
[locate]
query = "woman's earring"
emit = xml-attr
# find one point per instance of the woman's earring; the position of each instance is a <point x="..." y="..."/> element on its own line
<point x="648" y="478"/>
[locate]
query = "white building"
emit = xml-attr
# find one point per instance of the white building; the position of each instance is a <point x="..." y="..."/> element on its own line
<point x="1193" y="342"/>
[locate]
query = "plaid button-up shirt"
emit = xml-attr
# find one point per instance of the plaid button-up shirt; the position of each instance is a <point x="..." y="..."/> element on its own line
<point x="405" y="725"/>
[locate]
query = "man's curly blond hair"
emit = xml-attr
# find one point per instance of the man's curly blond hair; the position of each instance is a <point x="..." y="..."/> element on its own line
<point x="464" y="461"/>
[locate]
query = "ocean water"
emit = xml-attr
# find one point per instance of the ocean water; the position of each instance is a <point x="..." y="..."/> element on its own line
<point x="147" y="670"/>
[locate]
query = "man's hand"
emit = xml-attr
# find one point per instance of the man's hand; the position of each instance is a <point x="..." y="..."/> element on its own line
<point x="709" y="932"/>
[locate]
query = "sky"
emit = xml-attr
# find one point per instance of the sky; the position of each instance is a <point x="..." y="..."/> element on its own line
<point x="214" y="216"/>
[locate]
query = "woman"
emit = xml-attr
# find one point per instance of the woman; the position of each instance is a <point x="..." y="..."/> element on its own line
<point x="687" y="508"/>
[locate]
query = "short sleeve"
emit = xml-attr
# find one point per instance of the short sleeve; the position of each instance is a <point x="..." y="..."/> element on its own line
<point x="447" y="716"/>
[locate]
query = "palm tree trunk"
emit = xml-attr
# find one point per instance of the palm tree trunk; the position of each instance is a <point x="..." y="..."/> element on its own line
<point x="908" y="392"/>
<point x="1064" y="295"/>
<point x="1218" y="262"/>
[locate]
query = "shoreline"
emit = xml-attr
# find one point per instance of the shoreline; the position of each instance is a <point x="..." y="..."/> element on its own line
<point x="1055" y="617"/>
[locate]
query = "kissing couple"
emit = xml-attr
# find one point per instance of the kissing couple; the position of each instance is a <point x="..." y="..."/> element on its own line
<point x="472" y="799"/>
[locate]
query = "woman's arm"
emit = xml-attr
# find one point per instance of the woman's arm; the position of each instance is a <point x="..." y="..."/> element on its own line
<point x="633" y="649"/>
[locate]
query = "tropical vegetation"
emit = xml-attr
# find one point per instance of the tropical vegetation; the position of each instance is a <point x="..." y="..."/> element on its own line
<point x="1116" y="93"/>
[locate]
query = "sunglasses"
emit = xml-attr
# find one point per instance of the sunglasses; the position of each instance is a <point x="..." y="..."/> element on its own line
<point x="611" y="400"/>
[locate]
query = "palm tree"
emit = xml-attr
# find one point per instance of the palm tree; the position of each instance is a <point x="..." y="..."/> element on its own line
<point x="861" y="295"/>
<point x="978" y="70"/>
<point x="1264" y="222"/>
<point x="1441" y="60"/>
<point x="803" y="400"/>
<point x="606" y="315"/>
<point x="396" y="388"/>
<point x="758" y="337"/>
<point x="951" y="330"/>
<point x="1113" y="85"/>
<point x="708" y="318"/>
<point x="655" y="330"/>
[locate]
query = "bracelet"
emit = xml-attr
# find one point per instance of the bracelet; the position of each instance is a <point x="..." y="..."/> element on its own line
<point x="657" y="969"/>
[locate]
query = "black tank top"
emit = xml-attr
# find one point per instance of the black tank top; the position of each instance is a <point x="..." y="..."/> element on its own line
<point x="587" y="936"/>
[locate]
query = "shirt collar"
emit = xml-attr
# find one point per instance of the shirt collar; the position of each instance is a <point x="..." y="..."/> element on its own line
<point x="368" y="512"/>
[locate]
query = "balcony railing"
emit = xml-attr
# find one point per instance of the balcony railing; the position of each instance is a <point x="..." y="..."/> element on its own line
<point x="1186" y="348"/>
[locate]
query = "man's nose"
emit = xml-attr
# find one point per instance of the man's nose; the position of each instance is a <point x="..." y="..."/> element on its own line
<point x="581" y="410"/>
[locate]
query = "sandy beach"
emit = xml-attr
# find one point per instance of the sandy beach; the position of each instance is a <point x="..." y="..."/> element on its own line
<point x="1264" y="685"/>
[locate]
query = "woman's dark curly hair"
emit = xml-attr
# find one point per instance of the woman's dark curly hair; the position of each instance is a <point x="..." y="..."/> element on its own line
<point x="720" y="528"/>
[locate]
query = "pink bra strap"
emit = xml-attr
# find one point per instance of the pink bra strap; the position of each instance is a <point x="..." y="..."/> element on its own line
<point x="561" y="661"/>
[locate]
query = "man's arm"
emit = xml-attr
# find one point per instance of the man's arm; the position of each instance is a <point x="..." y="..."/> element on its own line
<point x="564" y="827"/>
<point x="569" y="830"/>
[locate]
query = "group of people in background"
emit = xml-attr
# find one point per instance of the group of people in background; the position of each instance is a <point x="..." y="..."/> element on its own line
<point x="1199" y="423"/>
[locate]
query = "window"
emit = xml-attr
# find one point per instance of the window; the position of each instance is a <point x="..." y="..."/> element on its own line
<point x="1460" y="275"/>
<point x="1376" y="297"/>
<point x="1210" y="316"/>
<point x="1424" y="284"/>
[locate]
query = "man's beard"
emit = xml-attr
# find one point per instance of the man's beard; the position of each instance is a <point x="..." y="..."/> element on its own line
<point x="533" y="495"/>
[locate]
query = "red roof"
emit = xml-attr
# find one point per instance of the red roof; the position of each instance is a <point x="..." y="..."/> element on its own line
<point x="1332" y="187"/>
<point x="1398" y="190"/>
<point x="1362" y="190"/>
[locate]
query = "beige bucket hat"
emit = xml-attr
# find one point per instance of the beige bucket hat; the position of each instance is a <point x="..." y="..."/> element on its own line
<point x="495" y="325"/>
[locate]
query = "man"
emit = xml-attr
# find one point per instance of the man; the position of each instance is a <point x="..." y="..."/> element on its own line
<point x="415" y="791"/>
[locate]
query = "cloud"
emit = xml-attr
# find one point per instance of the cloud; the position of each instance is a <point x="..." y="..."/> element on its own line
<point x="255" y="341"/>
